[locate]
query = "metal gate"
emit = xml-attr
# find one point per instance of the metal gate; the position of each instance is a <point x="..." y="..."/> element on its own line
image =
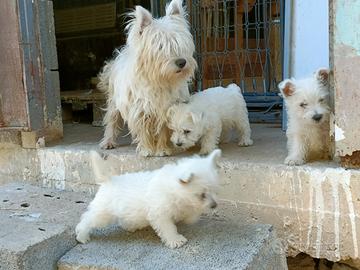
<point x="239" y="41"/>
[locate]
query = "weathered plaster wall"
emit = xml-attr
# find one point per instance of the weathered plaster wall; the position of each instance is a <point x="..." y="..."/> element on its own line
<point x="345" y="60"/>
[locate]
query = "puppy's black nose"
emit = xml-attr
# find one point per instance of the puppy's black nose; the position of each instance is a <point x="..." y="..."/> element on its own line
<point x="181" y="62"/>
<point x="317" y="117"/>
<point x="213" y="204"/>
<point x="179" y="144"/>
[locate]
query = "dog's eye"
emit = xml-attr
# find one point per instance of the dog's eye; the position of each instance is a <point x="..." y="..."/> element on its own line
<point x="186" y="131"/>
<point x="203" y="196"/>
<point x="321" y="100"/>
<point x="303" y="104"/>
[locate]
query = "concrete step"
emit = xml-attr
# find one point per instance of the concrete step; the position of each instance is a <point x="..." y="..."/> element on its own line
<point x="212" y="244"/>
<point x="37" y="225"/>
<point x="314" y="208"/>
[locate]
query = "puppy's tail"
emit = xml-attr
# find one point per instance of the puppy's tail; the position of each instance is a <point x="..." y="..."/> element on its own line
<point x="101" y="168"/>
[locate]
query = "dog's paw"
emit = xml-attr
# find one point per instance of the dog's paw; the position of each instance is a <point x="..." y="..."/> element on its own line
<point x="245" y="142"/>
<point x="164" y="153"/>
<point x="294" y="161"/>
<point x="82" y="237"/>
<point x="176" y="242"/>
<point x="107" y="145"/>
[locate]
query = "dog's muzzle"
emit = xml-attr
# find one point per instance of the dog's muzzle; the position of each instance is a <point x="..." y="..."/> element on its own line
<point x="213" y="204"/>
<point x="179" y="144"/>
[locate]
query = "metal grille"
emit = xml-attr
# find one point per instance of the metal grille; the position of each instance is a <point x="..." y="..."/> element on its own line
<point x="240" y="41"/>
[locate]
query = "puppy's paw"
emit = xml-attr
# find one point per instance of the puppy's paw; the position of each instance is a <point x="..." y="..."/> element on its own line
<point x="82" y="237"/>
<point x="291" y="161"/>
<point x="108" y="145"/>
<point x="145" y="153"/>
<point x="175" y="242"/>
<point x="245" y="142"/>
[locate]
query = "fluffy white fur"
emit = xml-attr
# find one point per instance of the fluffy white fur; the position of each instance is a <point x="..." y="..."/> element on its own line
<point x="161" y="198"/>
<point x="306" y="101"/>
<point x="147" y="76"/>
<point x="209" y="116"/>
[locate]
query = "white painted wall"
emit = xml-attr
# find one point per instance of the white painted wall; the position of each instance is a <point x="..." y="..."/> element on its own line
<point x="309" y="37"/>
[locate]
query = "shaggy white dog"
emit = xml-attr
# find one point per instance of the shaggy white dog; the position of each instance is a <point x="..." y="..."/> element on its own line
<point x="306" y="101"/>
<point x="148" y="75"/>
<point x="160" y="198"/>
<point x="210" y="114"/>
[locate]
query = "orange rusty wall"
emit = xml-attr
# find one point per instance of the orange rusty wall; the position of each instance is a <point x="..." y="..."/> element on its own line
<point x="12" y="94"/>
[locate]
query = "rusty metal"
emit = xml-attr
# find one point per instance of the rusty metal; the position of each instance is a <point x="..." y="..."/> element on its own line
<point x="351" y="161"/>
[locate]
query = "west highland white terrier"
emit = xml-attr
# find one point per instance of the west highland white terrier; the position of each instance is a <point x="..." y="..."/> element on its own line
<point x="161" y="198"/>
<point x="208" y="117"/>
<point x="148" y="75"/>
<point x="306" y="101"/>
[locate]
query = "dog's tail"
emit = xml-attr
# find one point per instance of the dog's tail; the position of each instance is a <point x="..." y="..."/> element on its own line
<point x="102" y="170"/>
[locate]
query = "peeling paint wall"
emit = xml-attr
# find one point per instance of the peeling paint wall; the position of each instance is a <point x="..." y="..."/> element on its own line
<point x="345" y="62"/>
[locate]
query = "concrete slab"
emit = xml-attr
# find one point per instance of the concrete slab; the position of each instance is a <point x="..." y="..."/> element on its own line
<point x="213" y="244"/>
<point x="37" y="225"/>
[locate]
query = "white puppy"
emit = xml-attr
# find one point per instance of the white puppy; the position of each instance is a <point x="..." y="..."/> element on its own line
<point x="306" y="101"/>
<point x="148" y="75"/>
<point x="210" y="114"/>
<point x="160" y="198"/>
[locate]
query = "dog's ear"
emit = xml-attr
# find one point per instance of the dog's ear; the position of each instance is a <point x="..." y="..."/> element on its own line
<point x="287" y="88"/>
<point x="196" y="117"/>
<point x="214" y="157"/>
<point x="186" y="178"/>
<point x="170" y="112"/>
<point x="175" y="7"/>
<point x="143" y="18"/>
<point x="322" y="76"/>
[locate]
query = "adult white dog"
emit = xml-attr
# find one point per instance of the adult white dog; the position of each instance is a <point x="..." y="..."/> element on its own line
<point x="148" y="75"/>
<point x="307" y="104"/>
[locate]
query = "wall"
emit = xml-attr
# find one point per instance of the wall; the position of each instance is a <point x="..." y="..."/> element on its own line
<point x="310" y="37"/>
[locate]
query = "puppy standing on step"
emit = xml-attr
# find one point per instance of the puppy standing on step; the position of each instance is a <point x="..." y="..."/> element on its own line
<point x="160" y="198"/>
<point x="148" y="75"/>
<point x="209" y="115"/>
<point x="307" y="107"/>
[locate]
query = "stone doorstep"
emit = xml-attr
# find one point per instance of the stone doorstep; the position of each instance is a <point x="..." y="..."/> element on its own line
<point x="37" y="225"/>
<point x="212" y="244"/>
<point x="314" y="208"/>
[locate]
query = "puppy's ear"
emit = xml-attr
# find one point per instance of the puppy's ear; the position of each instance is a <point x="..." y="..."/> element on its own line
<point x="186" y="178"/>
<point x="175" y="7"/>
<point x="196" y="117"/>
<point x="287" y="88"/>
<point x="170" y="112"/>
<point x="215" y="156"/>
<point x="322" y="76"/>
<point x="143" y="18"/>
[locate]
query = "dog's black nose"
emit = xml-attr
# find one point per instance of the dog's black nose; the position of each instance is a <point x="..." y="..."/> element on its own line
<point x="213" y="204"/>
<point x="179" y="144"/>
<point x="317" y="117"/>
<point x="181" y="62"/>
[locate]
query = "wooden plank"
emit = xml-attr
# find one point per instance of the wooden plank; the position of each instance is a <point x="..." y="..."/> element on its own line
<point x="12" y="93"/>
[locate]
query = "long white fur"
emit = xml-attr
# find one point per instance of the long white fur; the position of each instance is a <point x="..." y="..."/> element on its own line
<point x="209" y="115"/>
<point x="304" y="98"/>
<point x="178" y="192"/>
<point x="143" y="81"/>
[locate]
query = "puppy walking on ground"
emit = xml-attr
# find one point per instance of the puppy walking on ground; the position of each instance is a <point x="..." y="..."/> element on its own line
<point x="147" y="76"/>
<point x="210" y="114"/>
<point x="160" y="198"/>
<point x="307" y="106"/>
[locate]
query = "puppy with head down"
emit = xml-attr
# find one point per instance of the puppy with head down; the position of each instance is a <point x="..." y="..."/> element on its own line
<point x="208" y="117"/>
<point x="307" y="105"/>
<point x="178" y="192"/>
